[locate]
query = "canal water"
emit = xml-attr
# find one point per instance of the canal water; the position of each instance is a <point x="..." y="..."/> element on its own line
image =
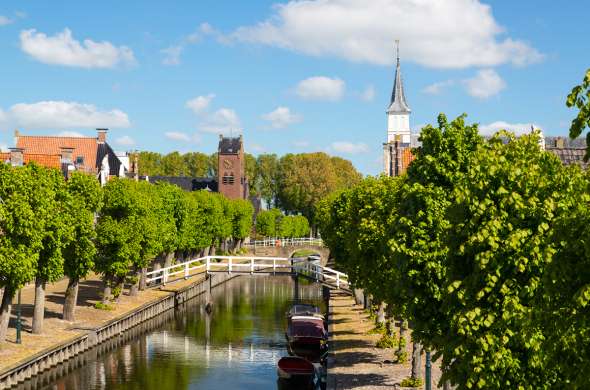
<point x="237" y="346"/>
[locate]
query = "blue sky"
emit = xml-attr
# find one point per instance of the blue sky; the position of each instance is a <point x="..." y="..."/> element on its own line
<point x="292" y="76"/>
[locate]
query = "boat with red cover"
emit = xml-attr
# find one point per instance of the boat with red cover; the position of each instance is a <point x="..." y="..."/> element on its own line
<point x="307" y="337"/>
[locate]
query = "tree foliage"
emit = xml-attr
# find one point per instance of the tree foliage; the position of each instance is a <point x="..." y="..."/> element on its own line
<point x="478" y="247"/>
<point x="579" y="98"/>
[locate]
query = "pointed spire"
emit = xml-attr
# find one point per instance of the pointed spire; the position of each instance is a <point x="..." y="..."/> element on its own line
<point x="398" y="98"/>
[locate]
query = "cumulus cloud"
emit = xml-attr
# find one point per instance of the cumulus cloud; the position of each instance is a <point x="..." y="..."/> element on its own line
<point x="438" y="87"/>
<point x="60" y="114"/>
<point x="3" y="147"/>
<point x="63" y="49"/>
<point x="368" y="94"/>
<point x="172" y="55"/>
<point x="349" y="147"/>
<point x="321" y="88"/>
<point x="224" y="120"/>
<point x="484" y="84"/>
<point x="74" y="134"/>
<point x="517" y="128"/>
<point x="281" y="117"/>
<point x="125" y="141"/>
<point x="200" y="103"/>
<point x="4" y="20"/>
<point x="438" y="34"/>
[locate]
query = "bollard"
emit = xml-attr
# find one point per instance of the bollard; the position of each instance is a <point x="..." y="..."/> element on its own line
<point x="428" y="373"/>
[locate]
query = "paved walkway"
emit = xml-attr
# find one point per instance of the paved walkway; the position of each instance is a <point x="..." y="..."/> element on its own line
<point x="356" y="362"/>
<point x="56" y="330"/>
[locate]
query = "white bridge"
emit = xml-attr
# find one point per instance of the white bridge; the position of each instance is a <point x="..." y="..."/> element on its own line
<point x="282" y="241"/>
<point x="250" y="265"/>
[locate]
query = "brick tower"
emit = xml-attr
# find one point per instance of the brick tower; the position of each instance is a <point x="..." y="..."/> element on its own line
<point x="231" y="168"/>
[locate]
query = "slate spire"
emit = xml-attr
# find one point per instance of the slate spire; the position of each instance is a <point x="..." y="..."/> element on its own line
<point x="398" y="98"/>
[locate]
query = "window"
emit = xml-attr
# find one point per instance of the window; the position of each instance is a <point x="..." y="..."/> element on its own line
<point x="80" y="160"/>
<point x="228" y="179"/>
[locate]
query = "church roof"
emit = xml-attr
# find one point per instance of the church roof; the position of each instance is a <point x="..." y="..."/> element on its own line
<point x="230" y="145"/>
<point x="398" y="98"/>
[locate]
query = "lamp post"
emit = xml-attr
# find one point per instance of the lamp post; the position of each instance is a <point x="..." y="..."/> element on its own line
<point x="428" y="379"/>
<point x="18" y="320"/>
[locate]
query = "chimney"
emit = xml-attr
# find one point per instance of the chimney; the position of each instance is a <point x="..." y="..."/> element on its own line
<point x="16" y="157"/>
<point x="66" y="155"/>
<point x="102" y="135"/>
<point x="134" y="165"/>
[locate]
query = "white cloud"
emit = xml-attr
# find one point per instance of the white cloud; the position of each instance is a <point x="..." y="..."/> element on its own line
<point x="60" y="114"/>
<point x="3" y="117"/>
<point x="4" y="20"/>
<point x="349" y="147"/>
<point x="321" y="88"/>
<point x="177" y="136"/>
<point x="368" y="94"/>
<point x="200" y="103"/>
<point x="223" y="121"/>
<point x="484" y="84"/>
<point x="70" y="134"/>
<point x="439" y="34"/>
<point x="125" y="141"/>
<point x="517" y="128"/>
<point x="63" y="49"/>
<point x="202" y="31"/>
<point x="281" y="117"/>
<point x="3" y="147"/>
<point x="438" y="87"/>
<point x="172" y="55"/>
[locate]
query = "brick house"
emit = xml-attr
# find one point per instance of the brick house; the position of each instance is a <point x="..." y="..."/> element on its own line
<point x="92" y="155"/>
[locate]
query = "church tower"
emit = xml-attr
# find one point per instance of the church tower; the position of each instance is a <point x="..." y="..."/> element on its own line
<point x="397" y="150"/>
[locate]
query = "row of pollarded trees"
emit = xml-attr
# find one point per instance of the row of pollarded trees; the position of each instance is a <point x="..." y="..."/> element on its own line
<point x="50" y="228"/>
<point x="482" y="247"/>
<point x="273" y="223"/>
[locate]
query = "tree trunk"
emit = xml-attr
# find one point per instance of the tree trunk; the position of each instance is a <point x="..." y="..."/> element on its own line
<point x="368" y="302"/>
<point x="381" y="314"/>
<point x="143" y="279"/>
<point x="212" y="250"/>
<point x="134" y="289"/>
<point x="402" y="334"/>
<point x="390" y="321"/>
<point x="119" y="286"/>
<point x="416" y="361"/>
<point x="107" y="291"/>
<point x="71" y="299"/>
<point x="168" y="260"/>
<point x="358" y="296"/>
<point x="5" y="312"/>
<point x="447" y="385"/>
<point x="39" y="309"/>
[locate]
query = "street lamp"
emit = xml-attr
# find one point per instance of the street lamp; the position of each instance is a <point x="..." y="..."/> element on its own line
<point x="18" y="320"/>
<point x="428" y="381"/>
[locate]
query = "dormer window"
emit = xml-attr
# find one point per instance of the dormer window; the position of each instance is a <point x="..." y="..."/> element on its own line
<point x="80" y="160"/>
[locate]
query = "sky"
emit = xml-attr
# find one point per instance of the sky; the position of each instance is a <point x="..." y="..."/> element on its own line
<point x="292" y="76"/>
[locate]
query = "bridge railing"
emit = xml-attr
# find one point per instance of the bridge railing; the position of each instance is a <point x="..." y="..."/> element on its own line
<point x="285" y="241"/>
<point x="247" y="264"/>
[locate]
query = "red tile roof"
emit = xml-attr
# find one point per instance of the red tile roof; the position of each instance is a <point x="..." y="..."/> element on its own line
<point x="52" y="146"/>
<point x="46" y="160"/>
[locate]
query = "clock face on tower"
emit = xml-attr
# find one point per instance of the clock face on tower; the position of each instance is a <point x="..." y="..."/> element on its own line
<point x="227" y="164"/>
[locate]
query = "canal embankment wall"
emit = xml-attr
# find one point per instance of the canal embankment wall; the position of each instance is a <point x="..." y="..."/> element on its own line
<point x="95" y="340"/>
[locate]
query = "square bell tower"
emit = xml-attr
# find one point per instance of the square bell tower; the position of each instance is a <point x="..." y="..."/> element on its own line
<point x="231" y="168"/>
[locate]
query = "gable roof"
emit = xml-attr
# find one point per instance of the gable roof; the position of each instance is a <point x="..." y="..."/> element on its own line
<point x="85" y="147"/>
<point x="114" y="162"/>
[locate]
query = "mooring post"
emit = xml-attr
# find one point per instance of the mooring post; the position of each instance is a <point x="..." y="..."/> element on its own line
<point x="428" y="372"/>
<point x="208" y="296"/>
<point x="296" y="288"/>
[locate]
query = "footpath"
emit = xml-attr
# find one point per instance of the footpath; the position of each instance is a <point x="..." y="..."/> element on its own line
<point x="57" y="331"/>
<point x="355" y="362"/>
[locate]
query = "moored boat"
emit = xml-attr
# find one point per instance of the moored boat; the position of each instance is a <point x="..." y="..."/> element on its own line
<point x="307" y="336"/>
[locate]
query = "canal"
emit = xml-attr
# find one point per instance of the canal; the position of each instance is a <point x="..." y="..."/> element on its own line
<point x="237" y="346"/>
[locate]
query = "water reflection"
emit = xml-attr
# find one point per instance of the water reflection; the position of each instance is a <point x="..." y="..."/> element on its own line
<point x="235" y="347"/>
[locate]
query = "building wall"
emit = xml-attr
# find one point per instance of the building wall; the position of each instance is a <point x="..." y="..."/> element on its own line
<point x="230" y="174"/>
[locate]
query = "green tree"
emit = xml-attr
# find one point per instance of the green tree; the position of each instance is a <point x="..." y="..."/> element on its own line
<point x="150" y="164"/>
<point x="55" y="223"/>
<point x="79" y="253"/>
<point x="267" y="221"/>
<point x="196" y="164"/>
<point x="267" y="184"/>
<point x="241" y="221"/>
<point x="21" y="233"/>
<point x="579" y="98"/>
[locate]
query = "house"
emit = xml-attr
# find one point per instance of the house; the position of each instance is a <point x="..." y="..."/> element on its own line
<point x="92" y="155"/>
